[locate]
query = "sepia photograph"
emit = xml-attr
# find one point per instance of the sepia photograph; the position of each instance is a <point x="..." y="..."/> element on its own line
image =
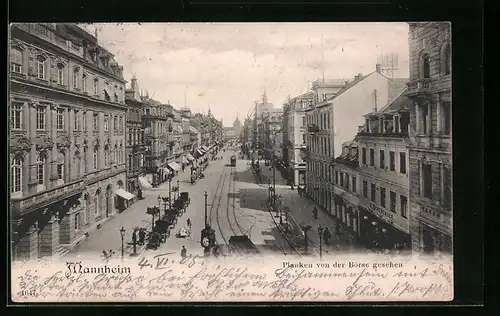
<point x="230" y="162"/>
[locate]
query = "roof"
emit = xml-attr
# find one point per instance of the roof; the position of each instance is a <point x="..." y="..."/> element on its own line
<point x="336" y="82"/>
<point x="303" y="96"/>
<point x="401" y="102"/>
<point x="396" y="87"/>
<point x="351" y="84"/>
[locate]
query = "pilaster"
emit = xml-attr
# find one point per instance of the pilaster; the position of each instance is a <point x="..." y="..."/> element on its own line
<point x="67" y="232"/>
<point x="49" y="237"/>
<point x="27" y="248"/>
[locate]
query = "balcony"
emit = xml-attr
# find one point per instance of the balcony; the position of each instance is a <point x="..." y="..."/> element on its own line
<point x="434" y="214"/>
<point x="313" y="128"/>
<point x="24" y="205"/>
<point x="434" y="141"/>
<point x="429" y="85"/>
<point x="386" y="134"/>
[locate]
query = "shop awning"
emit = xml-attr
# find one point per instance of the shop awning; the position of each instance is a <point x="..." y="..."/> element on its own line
<point x="184" y="160"/>
<point x="189" y="157"/>
<point x="174" y="166"/>
<point x="205" y="148"/>
<point x="166" y="171"/>
<point x="124" y="194"/>
<point x="144" y="183"/>
<point x="200" y="152"/>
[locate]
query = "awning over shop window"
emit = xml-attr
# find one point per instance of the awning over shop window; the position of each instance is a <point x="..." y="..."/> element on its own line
<point x="124" y="194"/>
<point x="174" y="166"/>
<point x="189" y="157"/>
<point x="144" y="183"/>
<point x="184" y="160"/>
<point x="166" y="171"/>
<point x="200" y="152"/>
<point x="205" y="148"/>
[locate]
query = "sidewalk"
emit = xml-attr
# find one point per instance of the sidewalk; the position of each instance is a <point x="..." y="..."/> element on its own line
<point x="301" y="213"/>
<point x="108" y="236"/>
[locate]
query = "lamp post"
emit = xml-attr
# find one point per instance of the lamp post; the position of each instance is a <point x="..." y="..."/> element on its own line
<point x="178" y="189"/>
<point x="134" y="240"/>
<point x="169" y="190"/>
<point x="159" y="201"/>
<point x="165" y="201"/>
<point x="206" y="195"/>
<point x="305" y="229"/>
<point x="122" y="233"/>
<point x="320" y="233"/>
<point x="269" y="190"/>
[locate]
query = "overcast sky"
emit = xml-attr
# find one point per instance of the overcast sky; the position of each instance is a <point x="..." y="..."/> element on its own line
<point x="226" y="66"/>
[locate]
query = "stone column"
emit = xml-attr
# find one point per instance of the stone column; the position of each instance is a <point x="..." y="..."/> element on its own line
<point x="31" y="178"/>
<point x="348" y="216"/>
<point x="438" y="115"/>
<point x="52" y="153"/>
<point x="428" y="118"/>
<point x="417" y="118"/>
<point x="27" y="248"/>
<point x="380" y="125"/>
<point x="49" y="237"/>
<point x="66" y="228"/>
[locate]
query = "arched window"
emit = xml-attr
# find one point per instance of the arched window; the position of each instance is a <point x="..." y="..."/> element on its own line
<point x="446" y="60"/>
<point x="40" y="169"/>
<point x="84" y="82"/>
<point x="60" y="73"/>
<point x="40" y="67"/>
<point x="106" y="156"/>
<point x="76" y="72"/>
<point x="16" y="60"/>
<point x="425" y="66"/>
<point x="16" y="173"/>
<point x="96" y="86"/>
<point x="97" y="202"/>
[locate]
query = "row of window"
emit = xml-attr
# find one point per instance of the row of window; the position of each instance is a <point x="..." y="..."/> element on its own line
<point x="382" y="160"/>
<point x="424" y="118"/>
<point x="320" y="144"/>
<point x="80" y="122"/>
<point x="79" y="79"/>
<point x="321" y="119"/>
<point x="444" y="61"/>
<point x="135" y="136"/>
<point x="117" y="155"/>
<point x="403" y="200"/>
<point x="346" y="181"/>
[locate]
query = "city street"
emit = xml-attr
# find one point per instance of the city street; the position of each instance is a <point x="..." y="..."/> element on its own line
<point x="235" y="206"/>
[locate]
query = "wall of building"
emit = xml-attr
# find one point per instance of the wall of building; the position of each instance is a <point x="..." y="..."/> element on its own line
<point x="350" y="106"/>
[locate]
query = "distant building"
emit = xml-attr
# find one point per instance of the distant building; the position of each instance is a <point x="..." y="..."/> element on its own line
<point x="135" y="138"/>
<point x="294" y="142"/>
<point x="430" y="137"/>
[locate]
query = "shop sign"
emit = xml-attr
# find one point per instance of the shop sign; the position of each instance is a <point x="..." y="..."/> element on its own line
<point x="381" y="213"/>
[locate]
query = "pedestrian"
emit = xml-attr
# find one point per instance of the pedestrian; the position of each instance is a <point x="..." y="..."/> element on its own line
<point x="189" y="223"/>
<point x="142" y="236"/>
<point x="134" y="237"/>
<point x="326" y="236"/>
<point x="337" y="229"/>
<point x="184" y="252"/>
<point x="315" y="213"/>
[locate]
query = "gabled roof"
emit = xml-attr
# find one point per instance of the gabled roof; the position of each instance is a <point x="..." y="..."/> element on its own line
<point x="334" y="82"/>
<point x="399" y="103"/>
<point x="351" y="84"/>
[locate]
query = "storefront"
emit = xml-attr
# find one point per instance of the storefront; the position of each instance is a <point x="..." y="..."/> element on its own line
<point x="174" y="168"/>
<point x="378" y="233"/>
<point x="347" y="213"/>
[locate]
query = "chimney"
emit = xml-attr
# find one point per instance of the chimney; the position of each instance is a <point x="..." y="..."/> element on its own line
<point x="375" y="100"/>
<point x="377" y="68"/>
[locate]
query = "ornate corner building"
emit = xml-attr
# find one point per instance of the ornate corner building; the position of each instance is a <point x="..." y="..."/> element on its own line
<point x="67" y="136"/>
<point x="430" y="137"/>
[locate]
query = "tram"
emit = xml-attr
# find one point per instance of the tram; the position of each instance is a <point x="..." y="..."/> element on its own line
<point x="233" y="161"/>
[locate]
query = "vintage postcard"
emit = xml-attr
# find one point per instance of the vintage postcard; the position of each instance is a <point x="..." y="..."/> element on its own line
<point x="231" y="162"/>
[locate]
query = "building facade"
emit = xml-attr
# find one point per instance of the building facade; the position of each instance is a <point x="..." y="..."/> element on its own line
<point x="67" y="137"/>
<point x="345" y="201"/>
<point x="335" y="120"/>
<point x="384" y="177"/>
<point x="135" y="140"/>
<point x="431" y="206"/>
<point x="294" y="131"/>
<point x="158" y="139"/>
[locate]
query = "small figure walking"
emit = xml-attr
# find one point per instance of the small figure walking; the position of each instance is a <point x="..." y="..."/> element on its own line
<point x="189" y="223"/>
<point x="315" y="213"/>
<point x="183" y="252"/>
<point x="326" y="236"/>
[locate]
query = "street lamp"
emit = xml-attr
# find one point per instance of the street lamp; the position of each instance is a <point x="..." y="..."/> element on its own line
<point x="165" y="201"/>
<point x="206" y="195"/>
<point x="159" y="201"/>
<point x="269" y="189"/>
<point x="178" y="189"/>
<point x="169" y="191"/>
<point x="305" y="229"/>
<point x="122" y="233"/>
<point x="320" y="233"/>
